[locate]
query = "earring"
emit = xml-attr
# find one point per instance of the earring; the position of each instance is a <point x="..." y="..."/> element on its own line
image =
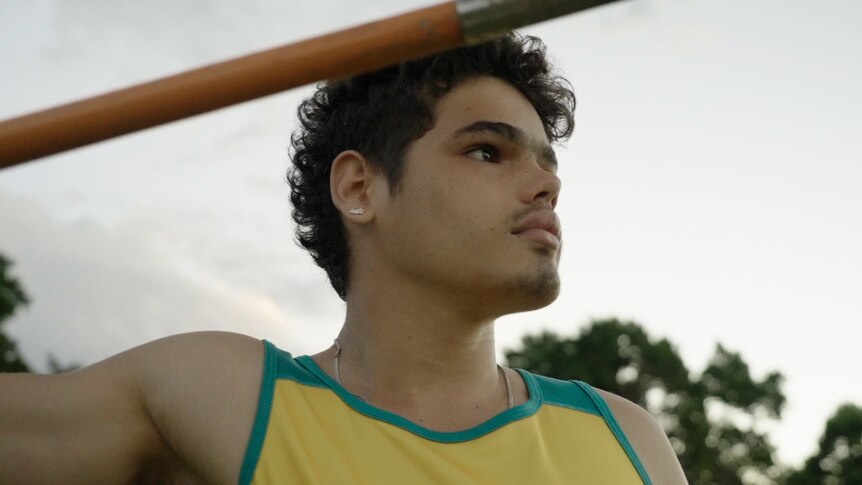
<point x="358" y="211"/>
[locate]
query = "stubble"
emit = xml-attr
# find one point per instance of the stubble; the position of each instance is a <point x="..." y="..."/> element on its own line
<point x="542" y="286"/>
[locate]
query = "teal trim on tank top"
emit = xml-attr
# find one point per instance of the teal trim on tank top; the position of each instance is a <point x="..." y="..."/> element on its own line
<point x="565" y="394"/>
<point x="261" y="417"/>
<point x="521" y="411"/>
<point x="616" y="430"/>
<point x="288" y="367"/>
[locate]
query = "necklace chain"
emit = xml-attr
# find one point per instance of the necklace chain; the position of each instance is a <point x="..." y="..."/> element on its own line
<point x="511" y="400"/>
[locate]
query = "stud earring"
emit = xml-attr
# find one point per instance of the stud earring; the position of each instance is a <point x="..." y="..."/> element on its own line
<point x="358" y="211"/>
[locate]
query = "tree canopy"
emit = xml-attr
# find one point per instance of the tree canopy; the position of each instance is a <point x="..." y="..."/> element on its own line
<point x="839" y="459"/>
<point x="12" y="298"/>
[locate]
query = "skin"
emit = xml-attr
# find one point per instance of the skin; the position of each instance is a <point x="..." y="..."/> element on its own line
<point x="433" y="264"/>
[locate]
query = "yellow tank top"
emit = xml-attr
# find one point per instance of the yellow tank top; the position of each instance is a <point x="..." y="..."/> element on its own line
<point x="309" y="429"/>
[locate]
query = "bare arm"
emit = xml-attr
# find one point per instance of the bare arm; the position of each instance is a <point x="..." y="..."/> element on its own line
<point x="181" y="406"/>
<point x="87" y="425"/>
<point x="648" y="439"/>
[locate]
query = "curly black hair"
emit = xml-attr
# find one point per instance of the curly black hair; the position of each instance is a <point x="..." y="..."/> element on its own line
<point x="380" y="113"/>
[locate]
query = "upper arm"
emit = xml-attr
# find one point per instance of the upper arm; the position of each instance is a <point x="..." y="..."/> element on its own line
<point x="647" y="438"/>
<point x="202" y="392"/>
<point x="84" y="426"/>
<point x="188" y="399"/>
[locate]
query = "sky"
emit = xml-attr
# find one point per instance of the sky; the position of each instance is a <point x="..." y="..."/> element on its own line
<point x="710" y="191"/>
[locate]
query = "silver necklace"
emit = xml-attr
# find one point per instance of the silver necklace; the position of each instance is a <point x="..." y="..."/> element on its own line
<point x="511" y="400"/>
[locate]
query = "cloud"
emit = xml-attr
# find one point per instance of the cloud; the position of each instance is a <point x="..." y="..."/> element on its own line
<point x="97" y="290"/>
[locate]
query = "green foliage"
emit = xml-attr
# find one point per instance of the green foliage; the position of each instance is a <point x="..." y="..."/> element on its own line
<point x="727" y="377"/>
<point x="12" y="294"/>
<point x="12" y="297"/>
<point x="839" y="459"/>
<point x="621" y="358"/>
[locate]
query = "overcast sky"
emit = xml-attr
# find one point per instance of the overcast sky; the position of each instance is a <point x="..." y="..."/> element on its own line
<point x="711" y="189"/>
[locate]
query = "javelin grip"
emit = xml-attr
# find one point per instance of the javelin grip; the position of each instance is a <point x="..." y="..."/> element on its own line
<point x="483" y="20"/>
<point x="332" y="56"/>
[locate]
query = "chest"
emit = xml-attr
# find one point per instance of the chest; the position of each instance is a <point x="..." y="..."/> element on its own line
<point x="314" y="437"/>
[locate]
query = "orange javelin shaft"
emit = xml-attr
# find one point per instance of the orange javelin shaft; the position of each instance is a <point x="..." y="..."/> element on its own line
<point x="340" y="54"/>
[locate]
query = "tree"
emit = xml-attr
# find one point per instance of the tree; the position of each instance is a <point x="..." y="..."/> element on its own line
<point x="12" y="297"/>
<point x="839" y="459"/>
<point x="711" y="419"/>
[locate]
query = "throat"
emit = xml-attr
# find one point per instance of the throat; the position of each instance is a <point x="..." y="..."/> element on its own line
<point x="337" y="368"/>
<point x="436" y="411"/>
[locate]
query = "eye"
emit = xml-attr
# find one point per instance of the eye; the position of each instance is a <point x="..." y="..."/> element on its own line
<point x="484" y="153"/>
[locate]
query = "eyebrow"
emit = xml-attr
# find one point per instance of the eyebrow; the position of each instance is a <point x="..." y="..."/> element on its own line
<point x="513" y="135"/>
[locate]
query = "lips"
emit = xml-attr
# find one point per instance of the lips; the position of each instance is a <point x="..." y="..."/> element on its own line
<point x="542" y="226"/>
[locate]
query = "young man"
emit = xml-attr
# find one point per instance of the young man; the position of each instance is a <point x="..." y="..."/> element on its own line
<point x="427" y="193"/>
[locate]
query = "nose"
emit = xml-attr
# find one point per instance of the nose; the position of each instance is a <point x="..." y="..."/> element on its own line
<point x="541" y="187"/>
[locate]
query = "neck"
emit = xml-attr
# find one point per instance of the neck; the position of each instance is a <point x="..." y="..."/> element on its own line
<point x="420" y="358"/>
<point x="415" y="353"/>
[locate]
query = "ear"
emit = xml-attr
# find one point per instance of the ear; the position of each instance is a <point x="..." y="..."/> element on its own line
<point x="351" y="181"/>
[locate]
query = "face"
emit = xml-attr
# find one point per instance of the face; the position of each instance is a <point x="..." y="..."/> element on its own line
<point x="473" y="214"/>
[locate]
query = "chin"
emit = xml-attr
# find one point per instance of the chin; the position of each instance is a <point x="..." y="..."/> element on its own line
<point x="535" y="291"/>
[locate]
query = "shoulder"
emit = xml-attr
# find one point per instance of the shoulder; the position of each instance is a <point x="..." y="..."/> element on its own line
<point x="201" y="390"/>
<point x="647" y="438"/>
<point x="198" y="362"/>
<point x="210" y="348"/>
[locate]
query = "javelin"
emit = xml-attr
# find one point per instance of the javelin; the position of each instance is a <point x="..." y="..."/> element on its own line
<point x="332" y="56"/>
